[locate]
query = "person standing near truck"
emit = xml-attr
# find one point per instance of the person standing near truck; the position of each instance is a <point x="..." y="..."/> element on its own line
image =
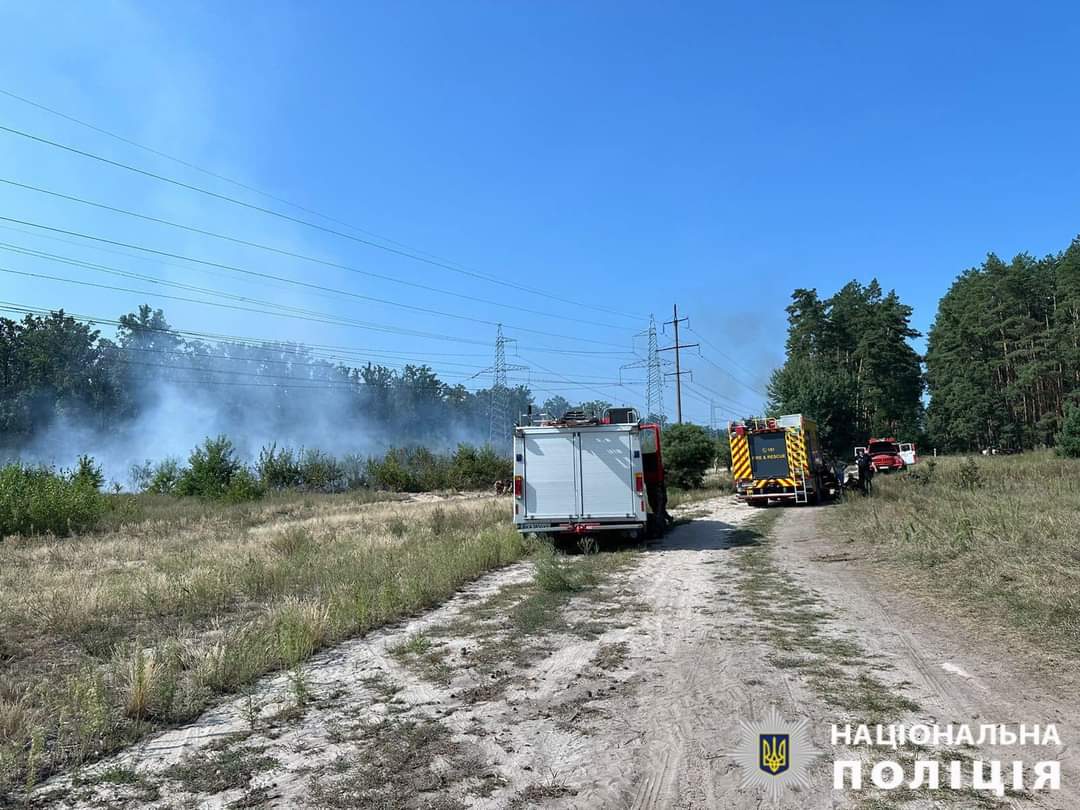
<point x="866" y="471"/>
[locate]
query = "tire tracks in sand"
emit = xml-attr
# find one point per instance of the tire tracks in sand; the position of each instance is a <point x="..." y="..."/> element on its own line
<point x="708" y="627"/>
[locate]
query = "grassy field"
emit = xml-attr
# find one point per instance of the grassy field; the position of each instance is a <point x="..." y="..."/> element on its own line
<point x="147" y="621"/>
<point x="997" y="538"/>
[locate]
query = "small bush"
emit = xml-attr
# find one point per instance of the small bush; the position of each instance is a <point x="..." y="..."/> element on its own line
<point x="389" y="473"/>
<point x="478" y="467"/>
<point x="164" y="477"/>
<point x="1068" y="438"/>
<point x="354" y="471"/>
<point x="40" y="500"/>
<point x="969" y="475"/>
<point x="556" y="573"/>
<point x="87" y="473"/>
<point x="244" y="486"/>
<point x="292" y="542"/>
<point x="923" y="473"/>
<point x="320" y="471"/>
<point x="688" y="451"/>
<point x="215" y="473"/>
<point x="417" y="469"/>
<point x="278" y="469"/>
<point x="210" y="469"/>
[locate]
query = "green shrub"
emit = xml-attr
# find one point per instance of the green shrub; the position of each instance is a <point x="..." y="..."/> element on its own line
<point x="215" y="473"/>
<point x="244" y="486"/>
<point x="320" y="471"/>
<point x="688" y="451"/>
<point x="723" y="450"/>
<point x="554" y="572"/>
<point x="303" y="469"/>
<point x="40" y="500"/>
<point x="389" y="473"/>
<point x="478" y="467"/>
<point x="88" y="473"/>
<point x="278" y="469"/>
<point x="1068" y="438"/>
<point x="968" y="474"/>
<point x="417" y="469"/>
<point x="165" y="476"/>
<point x="354" y="471"/>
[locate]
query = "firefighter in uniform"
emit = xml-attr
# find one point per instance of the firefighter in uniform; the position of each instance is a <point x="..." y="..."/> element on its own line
<point x="866" y="471"/>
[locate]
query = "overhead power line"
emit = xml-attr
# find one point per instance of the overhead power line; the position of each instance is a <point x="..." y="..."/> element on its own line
<point x="259" y="342"/>
<point x="622" y="383"/>
<point x="248" y="243"/>
<point x="294" y="282"/>
<point x="678" y="373"/>
<point x="72" y="261"/>
<point x="213" y="358"/>
<point x="712" y="393"/>
<point x="238" y="308"/>
<point x="341" y="382"/>
<point x="731" y="376"/>
<point x="721" y="352"/>
<point x="426" y="259"/>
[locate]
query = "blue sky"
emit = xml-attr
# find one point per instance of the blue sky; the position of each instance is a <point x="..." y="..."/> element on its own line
<point x="627" y="156"/>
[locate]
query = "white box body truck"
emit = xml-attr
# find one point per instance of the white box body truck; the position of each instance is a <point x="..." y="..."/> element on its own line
<point x="579" y="479"/>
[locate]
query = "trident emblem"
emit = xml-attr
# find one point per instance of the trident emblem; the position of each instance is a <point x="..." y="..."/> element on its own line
<point x="774" y="753"/>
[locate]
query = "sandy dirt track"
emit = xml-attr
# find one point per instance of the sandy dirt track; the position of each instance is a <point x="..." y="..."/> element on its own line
<point x="631" y="700"/>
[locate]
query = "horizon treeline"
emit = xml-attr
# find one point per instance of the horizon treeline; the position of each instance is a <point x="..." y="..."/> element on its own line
<point x="61" y="380"/>
<point x="1001" y="369"/>
<point x="1003" y="354"/>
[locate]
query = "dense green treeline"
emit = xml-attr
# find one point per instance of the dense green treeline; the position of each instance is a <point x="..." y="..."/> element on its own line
<point x="851" y="366"/>
<point x="1002" y="366"/>
<point x="1003" y="355"/>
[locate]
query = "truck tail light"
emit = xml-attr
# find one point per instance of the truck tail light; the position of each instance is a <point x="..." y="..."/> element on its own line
<point x="639" y="482"/>
<point x="518" y="484"/>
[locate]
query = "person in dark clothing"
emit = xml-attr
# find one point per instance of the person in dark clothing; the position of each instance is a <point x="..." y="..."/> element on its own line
<point x="866" y="472"/>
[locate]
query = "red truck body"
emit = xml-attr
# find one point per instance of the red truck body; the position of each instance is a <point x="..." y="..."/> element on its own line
<point x="885" y="455"/>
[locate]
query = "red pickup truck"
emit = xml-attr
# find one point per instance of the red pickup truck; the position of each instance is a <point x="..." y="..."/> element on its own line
<point x="884" y="455"/>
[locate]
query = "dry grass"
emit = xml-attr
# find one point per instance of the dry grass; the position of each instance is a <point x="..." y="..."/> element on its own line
<point x="678" y="498"/>
<point x="1000" y="539"/>
<point x="108" y="636"/>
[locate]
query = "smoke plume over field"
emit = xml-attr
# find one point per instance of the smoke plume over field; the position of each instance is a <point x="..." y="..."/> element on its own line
<point x="150" y="395"/>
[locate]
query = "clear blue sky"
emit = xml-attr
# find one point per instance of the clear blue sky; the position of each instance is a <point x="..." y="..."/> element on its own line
<point x="624" y="155"/>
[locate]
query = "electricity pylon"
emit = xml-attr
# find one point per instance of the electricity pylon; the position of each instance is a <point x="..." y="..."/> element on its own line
<point x="654" y="381"/>
<point x="501" y="418"/>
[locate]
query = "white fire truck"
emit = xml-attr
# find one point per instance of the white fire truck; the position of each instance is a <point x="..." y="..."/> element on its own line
<point x="582" y="474"/>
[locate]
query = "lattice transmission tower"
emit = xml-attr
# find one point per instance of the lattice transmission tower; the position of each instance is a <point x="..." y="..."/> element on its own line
<point x="654" y="380"/>
<point x="502" y="421"/>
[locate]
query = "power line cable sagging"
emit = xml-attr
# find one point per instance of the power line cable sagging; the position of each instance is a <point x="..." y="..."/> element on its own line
<point x="343" y="230"/>
<point x="265" y="275"/>
<point x="392" y="247"/>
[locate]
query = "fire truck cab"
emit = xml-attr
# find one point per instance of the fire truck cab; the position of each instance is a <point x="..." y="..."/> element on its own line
<point x="779" y="458"/>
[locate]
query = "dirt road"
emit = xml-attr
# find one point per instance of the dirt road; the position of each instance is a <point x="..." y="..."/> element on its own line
<point x="626" y="694"/>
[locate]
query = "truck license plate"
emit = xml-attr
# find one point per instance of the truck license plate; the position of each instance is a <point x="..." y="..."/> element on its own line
<point x="528" y="525"/>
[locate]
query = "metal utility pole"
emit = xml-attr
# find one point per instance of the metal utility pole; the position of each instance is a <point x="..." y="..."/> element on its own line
<point x="499" y="428"/>
<point x="654" y="383"/>
<point x="678" y="368"/>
